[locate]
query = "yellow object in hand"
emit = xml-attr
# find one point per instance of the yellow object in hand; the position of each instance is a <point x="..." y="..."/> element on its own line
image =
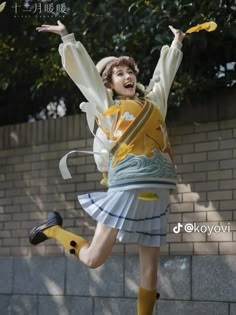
<point x="148" y="196"/>
<point x="207" y="26"/>
<point x="2" y="6"/>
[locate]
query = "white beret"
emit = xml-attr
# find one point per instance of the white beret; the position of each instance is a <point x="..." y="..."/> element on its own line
<point x="101" y="65"/>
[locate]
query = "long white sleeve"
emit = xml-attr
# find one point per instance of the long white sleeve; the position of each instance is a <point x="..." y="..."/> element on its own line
<point x="164" y="74"/>
<point x="83" y="72"/>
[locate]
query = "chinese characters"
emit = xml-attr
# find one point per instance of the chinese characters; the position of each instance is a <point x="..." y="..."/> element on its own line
<point x="39" y="8"/>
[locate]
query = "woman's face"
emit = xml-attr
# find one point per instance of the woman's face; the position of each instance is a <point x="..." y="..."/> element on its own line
<point x="123" y="81"/>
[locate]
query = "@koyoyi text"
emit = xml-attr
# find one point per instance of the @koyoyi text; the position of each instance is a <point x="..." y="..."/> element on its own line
<point x="201" y="228"/>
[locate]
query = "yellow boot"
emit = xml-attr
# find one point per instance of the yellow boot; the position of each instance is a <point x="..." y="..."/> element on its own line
<point x="52" y="228"/>
<point x="146" y="301"/>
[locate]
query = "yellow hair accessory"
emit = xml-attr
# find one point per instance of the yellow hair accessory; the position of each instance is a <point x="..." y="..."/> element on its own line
<point x="111" y="110"/>
<point x="207" y="26"/>
<point x="148" y="196"/>
<point x="2" y="6"/>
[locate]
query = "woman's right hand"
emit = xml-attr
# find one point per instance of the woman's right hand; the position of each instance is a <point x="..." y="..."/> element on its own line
<point x="59" y="29"/>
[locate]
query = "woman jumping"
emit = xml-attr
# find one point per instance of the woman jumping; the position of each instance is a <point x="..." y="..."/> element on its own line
<point x="132" y="135"/>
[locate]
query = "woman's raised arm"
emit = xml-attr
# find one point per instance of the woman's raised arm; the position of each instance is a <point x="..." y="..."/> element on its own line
<point x="59" y="29"/>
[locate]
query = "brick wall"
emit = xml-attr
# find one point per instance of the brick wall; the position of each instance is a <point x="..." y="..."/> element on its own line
<point x="30" y="185"/>
<point x="205" y="155"/>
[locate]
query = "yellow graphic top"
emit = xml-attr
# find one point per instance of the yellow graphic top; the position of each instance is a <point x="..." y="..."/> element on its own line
<point x="139" y="138"/>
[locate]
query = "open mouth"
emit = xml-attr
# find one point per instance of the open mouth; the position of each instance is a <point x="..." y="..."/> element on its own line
<point x="129" y="85"/>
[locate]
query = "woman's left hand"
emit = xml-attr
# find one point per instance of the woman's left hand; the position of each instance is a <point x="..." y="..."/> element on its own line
<point x="179" y="35"/>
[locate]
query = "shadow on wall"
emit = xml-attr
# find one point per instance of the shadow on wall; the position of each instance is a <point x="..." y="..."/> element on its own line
<point x="31" y="185"/>
<point x="203" y="206"/>
<point x="63" y="285"/>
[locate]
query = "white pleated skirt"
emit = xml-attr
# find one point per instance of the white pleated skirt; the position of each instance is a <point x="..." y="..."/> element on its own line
<point x="138" y="221"/>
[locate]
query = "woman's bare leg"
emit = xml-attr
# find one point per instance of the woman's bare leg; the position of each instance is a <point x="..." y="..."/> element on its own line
<point x="149" y="258"/>
<point x="94" y="254"/>
<point x="91" y="254"/>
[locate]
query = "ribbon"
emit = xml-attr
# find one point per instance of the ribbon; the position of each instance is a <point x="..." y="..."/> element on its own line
<point x="63" y="162"/>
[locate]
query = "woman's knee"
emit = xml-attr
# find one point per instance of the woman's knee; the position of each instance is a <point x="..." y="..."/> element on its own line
<point x="93" y="262"/>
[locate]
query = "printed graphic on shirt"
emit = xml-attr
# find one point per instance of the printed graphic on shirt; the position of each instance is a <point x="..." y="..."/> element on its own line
<point x="140" y="166"/>
<point x="128" y="116"/>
